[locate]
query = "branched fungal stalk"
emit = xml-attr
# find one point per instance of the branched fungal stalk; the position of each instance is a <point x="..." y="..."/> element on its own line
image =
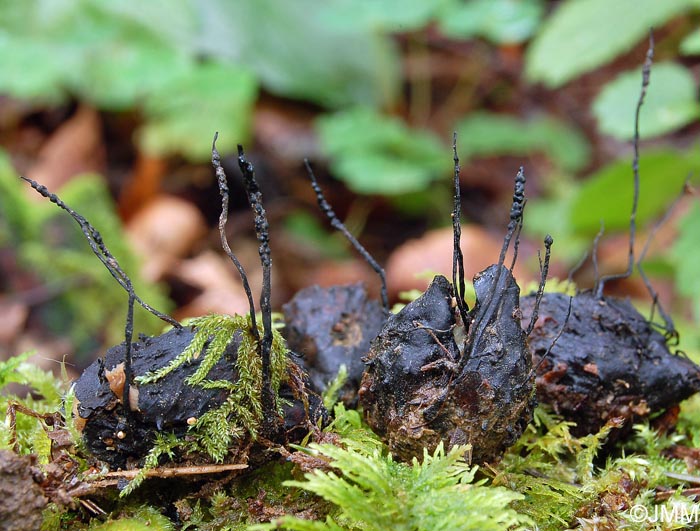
<point x="457" y="257"/>
<point x="544" y="271"/>
<point x="668" y="327"/>
<point x="646" y="75"/>
<point x="110" y="262"/>
<point x="262" y="230"/>
<point x="340" y="226"/>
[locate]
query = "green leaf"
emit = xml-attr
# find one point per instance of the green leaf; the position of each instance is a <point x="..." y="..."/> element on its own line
<point x="584" y="34"/>
<point x="500" y="21"/>
<point x="686" y="253"/>
<point x="691" y="44"/>
<point x="182" y="117"/>
<point x="607" y="194"/>
<point x="295" y="53"/>
<point x="486" y="134"/>
<point x="378" y="15"/>
<point x="670" y="103"/>
<point x="375" y="154"/>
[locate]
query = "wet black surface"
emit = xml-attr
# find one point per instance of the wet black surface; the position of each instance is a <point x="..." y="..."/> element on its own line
<point x="420" y="388"/>
<point x="608" y="362"/>
<point x="330" y="327"/>
<point x="167" y="404"/>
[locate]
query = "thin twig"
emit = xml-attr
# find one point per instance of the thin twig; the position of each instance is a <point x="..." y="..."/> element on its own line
<point x="339" y="226"/>
<point x="556" y="338"/>
<point x="669" y="328"/>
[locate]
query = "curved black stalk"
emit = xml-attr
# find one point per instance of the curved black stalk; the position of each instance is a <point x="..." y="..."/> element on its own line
<point x="100" y="249"/>
<point x="128" y="336"/>
<point x="544" y="271"/>
<point x="594" y="255"/>
<point x="457" y="257"/>
<point x="339" y="226"/>
<point x="669" y="328"/>
<point x="262" y="230"/>
<point x="223" y="217"/>
<point x="646" y="74"/>
<point x="556" y="338"/>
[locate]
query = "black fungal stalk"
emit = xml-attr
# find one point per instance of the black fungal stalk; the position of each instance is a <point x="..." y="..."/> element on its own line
<point x="340" y="226"/>
<point x="457" y="257"/>
<point x="668" y="327"/>
<point x="646" y="76"/>
<point x="494" y="303"/>
<point x="223" y="217"/>
<point x="544" y="271"/>
<point x="98" y="247"/>
<point x="262" y="230"/>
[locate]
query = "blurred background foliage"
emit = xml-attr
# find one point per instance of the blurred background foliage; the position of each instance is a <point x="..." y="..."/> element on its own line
<point x="371" y="90"/>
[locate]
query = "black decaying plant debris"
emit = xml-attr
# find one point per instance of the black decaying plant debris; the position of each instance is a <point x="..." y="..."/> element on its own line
<point x="438" y="372"/>
<point x="120" y="417"/>
<point x="331" y="327"/>
<point x="609" y="361"/>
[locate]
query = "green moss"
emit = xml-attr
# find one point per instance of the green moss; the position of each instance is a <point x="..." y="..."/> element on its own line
<point x="241" y="413"/>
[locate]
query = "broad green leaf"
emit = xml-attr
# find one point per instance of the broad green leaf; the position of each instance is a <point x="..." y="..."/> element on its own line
<point x="686" y="253"/>
<point x="670" y="103"/>
<point x="377" y="154"/>
<point x="379" y="15"/>
<point x="132" y="73"/>
<point x="500" y="21"/>
<point x="34" y="70"/>
<point x="607" y="194"/>
<point x="691" y="44"/>
<point x="584" y="34"/>
<point x="486" y="134"/>
<point x="295" y="54"/>
<point x="183" y="117"/>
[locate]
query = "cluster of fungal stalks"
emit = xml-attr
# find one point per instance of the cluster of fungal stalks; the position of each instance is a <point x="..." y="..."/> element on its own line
<point x="436" y="373"/>
<point x="218" y="384"/>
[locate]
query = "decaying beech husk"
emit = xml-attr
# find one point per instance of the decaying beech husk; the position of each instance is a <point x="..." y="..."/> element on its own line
<point x="331" y="327"/>
<point x="608" y="362"/>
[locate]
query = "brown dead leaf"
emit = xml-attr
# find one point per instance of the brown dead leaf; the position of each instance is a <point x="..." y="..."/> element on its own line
<point x="221" y="288"/>
<point x="163" y="232"/>
<point x="76" y="147"/>
<point x="14" y="315"/>
<point x="432" y="254"/>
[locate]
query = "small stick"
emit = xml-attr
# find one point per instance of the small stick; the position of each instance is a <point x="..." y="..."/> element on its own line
<point x="544" y="271"/>
<point x="223" y="217"/>
<point x="457" y="257"/>
<point x="262" y="230"/>
<point x="339" y="226"/>
<point x="646" y="74"/>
